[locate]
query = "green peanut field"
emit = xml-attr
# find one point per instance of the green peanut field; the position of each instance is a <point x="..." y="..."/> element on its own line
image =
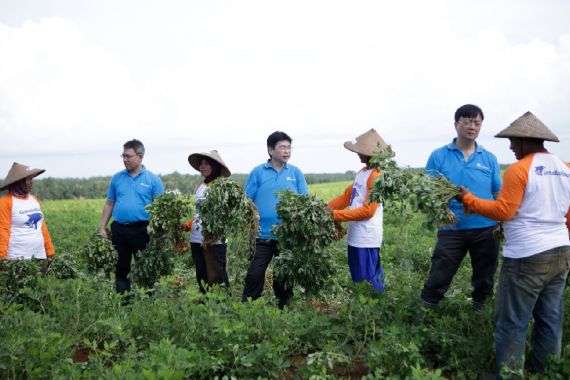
<point x="76" y="328"/>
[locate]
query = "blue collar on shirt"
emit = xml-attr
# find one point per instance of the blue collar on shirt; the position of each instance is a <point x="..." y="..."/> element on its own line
<point x="452" y="146"/>
<point x="125" y="171"/>
<point x="268" y="165"/>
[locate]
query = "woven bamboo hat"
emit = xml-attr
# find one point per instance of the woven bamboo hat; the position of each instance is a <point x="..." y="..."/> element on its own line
<point x="18" y="172"/>
<point x="530" y="127"/>
<point x="368" y="144"/>
<point x="194" y="160"/>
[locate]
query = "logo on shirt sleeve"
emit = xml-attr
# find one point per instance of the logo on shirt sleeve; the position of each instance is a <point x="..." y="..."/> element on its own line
<point x="33" y="220"/>
<point x="540" y="171"/>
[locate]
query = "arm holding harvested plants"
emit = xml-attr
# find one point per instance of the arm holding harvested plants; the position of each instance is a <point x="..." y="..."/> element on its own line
<point x="510" y="196"/>
<point x="363" y="212"/>
<point x="365" y="220"/>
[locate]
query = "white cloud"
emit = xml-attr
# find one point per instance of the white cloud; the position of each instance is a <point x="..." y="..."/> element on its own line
<point x="184" y="77"/>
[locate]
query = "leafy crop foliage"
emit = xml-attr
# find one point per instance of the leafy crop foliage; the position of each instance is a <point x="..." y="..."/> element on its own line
<point x="305" y="232"/>
<point x="227" y="211"/>
<point x="402" y="187"/>
<point x="79" y="329"/>
<point x="166" y="213"/>
<point x="100" y="255"/>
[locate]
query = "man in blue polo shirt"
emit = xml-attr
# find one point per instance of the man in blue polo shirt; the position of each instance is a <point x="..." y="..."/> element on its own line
<point x="465" y="163"/>
<point x="130" y="191"/>
<point x="261" y="186"/>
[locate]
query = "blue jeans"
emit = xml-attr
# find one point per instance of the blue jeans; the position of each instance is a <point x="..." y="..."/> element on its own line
<point x="531" y="287"/>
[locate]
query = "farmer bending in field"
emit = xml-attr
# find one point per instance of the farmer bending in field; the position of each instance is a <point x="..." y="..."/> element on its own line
<point x="364" y="219"/>
<point x="465" y="163"/>
<point x="261" y="186"/>
<point x="535" y="205"/>
<point x="130" y="191"/>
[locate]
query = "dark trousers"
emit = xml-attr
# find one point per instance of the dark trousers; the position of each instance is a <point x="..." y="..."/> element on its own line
<point x="450" y="249"/>
<point x="264" y="252"/>
<point x="210" y="263"/>
<point x="128" y="239"/>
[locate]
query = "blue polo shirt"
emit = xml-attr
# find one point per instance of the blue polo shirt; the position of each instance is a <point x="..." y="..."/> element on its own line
<point x="132" y="194"/>
<point x="480" y="174"/>
<point x="261" y="186"/>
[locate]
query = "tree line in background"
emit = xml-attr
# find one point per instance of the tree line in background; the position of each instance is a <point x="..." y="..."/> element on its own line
<point x="97" y="187"/>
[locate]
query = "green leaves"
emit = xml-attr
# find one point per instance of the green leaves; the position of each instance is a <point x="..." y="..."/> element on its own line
<point x="100" y="255"/>
<point x="227" y="211"/>
<point x="15" y="275"/>
<point x="151" y="264"/>
<point x="406" y="187"/>
<point x="304" y="234"/>
<point x="167" y="213"/>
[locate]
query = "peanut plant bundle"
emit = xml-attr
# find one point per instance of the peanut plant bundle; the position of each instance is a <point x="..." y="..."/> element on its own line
<point x="227" y="211"/>
<point x="305" y="232"/>
<point x="100" y="255"/>
<point x="410" y="187"/>
<point x="166" y="213"/>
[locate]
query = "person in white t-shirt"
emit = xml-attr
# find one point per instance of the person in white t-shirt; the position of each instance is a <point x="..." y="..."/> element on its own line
<point x="534" y="203"/>
<point x="365" y="220"/>
<point x="23" y="231"/>
<point x="211" y="261"/>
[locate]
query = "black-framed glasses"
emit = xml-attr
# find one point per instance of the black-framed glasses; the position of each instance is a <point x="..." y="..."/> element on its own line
<point x="127" y="156"/>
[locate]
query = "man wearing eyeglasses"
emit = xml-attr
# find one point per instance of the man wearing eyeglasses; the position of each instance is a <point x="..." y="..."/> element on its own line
<point x="130" y="191"/>
<point x="261" y="186"/>
<point x="465" y="163"/>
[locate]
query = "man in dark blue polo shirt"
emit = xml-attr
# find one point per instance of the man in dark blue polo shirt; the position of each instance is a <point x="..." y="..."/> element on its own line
<point x="261" y="186"/>
<point x="130" y="191"/>
<point x="465" y="163"/>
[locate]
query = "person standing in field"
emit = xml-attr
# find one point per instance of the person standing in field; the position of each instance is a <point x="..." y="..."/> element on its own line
<point x="534" y="203"/>
<point x="130" y="191"/>
<point x="23" y="230"/>
<point x="210" y="261"/>
<point x="261" y="186"/>
<point x="365" y="220"/>
<point x="465" y="163"/>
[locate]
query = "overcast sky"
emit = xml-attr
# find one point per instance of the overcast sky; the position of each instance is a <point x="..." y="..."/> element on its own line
<point x="79" y="78"/>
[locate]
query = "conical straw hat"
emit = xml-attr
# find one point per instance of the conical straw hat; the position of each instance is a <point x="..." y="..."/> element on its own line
<point x="18" y="172"/>
<point x="530" y="127"/>
<point x="368" y="144"/>
<point x="194" y="160"/>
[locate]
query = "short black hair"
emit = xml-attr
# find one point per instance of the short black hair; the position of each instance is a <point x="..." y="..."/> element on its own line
<point x="468" y="110"/>
<point x="277" y="136"/>
<point x="135" y="145"/>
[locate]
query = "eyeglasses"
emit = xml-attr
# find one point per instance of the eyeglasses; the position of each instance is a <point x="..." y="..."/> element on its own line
<point x="127" y="156"/>
<point x="468" y="122"/>
<point x="284" y="148"/>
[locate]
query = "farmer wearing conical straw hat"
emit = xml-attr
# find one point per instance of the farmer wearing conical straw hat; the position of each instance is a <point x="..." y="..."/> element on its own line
<point x="210" y="262"/>
<point x="23" y="231"/>
<point x="534" y="203"/>
<point x="465" y="163"/>
<point x="364" y="219"/>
